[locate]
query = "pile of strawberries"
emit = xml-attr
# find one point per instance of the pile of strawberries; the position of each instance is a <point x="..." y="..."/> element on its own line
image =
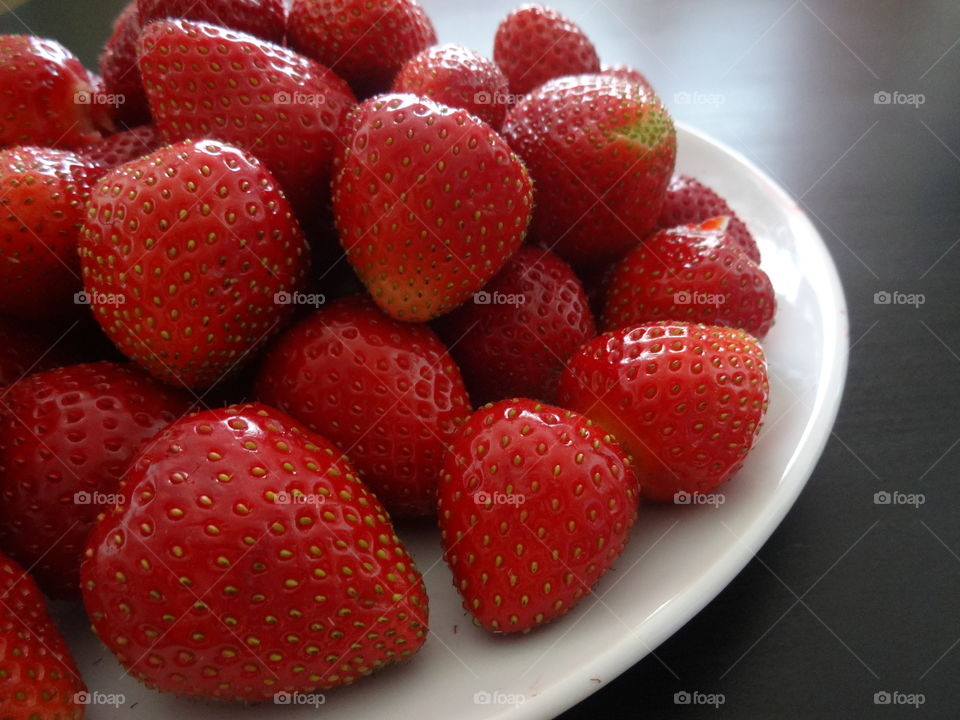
<point x="345" y="239"/>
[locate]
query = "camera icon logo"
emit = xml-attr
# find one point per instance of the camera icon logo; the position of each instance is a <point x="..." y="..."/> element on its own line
<point x="682" y="298"/>
<point x="681" y="698"/>
<point x="482" y="98"/>
<point x="882" y="498"/>
<point x="882" y="698"/>
<point x="882" y="298"/>
<point x="482" y="297"/>
<point x="482" y="697"/>
<point x="882" y="97"/>
<point x="282" y="98"/>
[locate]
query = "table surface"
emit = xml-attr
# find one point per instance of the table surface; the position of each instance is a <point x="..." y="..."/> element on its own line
<point x="848" y="598"/>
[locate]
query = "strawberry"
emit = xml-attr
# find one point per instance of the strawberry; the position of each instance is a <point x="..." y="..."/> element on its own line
<point x="601" y="151"/>
<point x="535" y="505"/>
<point x="182" y="254"/>
<point x="458" y="77"/>
<point x="363" y="41"/>
<point x="625" y="72"/>
<point x="38" y="676"/>
<point x="66" y="436"/>
<point x="696" y="273"/>
<point x="262" y="18"/>
<point x="43" y="192"/>
<point x="387" y="393"/>
<point x="429" y="203"/>
<point x="118" y="66"/>
<point x="686" y="401"/>
<point x="250" y="548"/>
<point x="534" y="44"/>
<point x="207" y="81"/>
<point x="45" y="96"/>
<point x="124" y="146"/>
<point x="689" y="202"/>
<point x="514" y="338"/>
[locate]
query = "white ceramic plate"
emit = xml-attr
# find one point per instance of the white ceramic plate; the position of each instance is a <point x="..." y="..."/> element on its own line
<point x="677" y="561"/>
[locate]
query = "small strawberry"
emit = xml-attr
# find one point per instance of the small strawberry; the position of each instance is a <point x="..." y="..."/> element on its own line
<point x="207" y="81"/>
<point x="696" y="273"/>
<point x="601" y="151"/>
<point x="458" y="77"/>
<point x="535" y="505"/>
<point x="689" y="202"/>
<point x="625" y="72"/>
<point x="118" y="66"/>
<point x="685" y="400"/>
<point x="43" y="192"/>
<point x="515" y="336"/>
<point x="429" y="202"/>
<point x="363" y="41"/>
<point x="262" y="18"/>
<point x="248" y="559"/>
<point x="66" y="436"/>
<point x="124" y="146"/>
<point x="182" y="254"/>
<point x="387" y="393"/>
<point x="534" y="44"/>
<point x="38" y="676"/>
<point x="45" y="96"/>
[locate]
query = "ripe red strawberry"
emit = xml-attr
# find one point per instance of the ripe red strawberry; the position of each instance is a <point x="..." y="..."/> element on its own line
<point x="514" y="337"/>
<point x="118" y="66"/>
<point x="429" y="202"/>
<point x="43" y="192"/>
<point x="45" y="95"/>
<point x="66" y="436"/>
<point x="685" y="400"/>
<point x="182" y="254"/>
<point x="207" y="81"/>
<point x="124" y="146"/>
<point x="696" y="273"/>
<point x="534" y="44"/>
<point x="387" y="393"/>
<point x="38" y="676"/>
<point x="458" y="77"/>
<point x="689" y="202"/>
<point x="250" y="547"/>
<point x="600" y="151"/>
<point x="535" y="505"/>
<point x="263" y="18"/>
<point x="625" y="72"/>
<point x="365" y="42"/>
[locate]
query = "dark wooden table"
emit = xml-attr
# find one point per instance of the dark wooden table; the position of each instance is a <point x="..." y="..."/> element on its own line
<point x="848" y="598"/>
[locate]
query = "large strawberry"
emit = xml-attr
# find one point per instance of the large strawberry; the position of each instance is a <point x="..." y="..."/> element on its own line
<point x="534" y="44"/>
<point x="386" y="392"/>
<point x="685" y="400"/>
<point x="365" y="42"/>
<point x="123" y="147"/>
<point x="38" y="676"/>
<point x="183" y="252"/>
<point x="118" y="66"/>
<point x="43" y="193"/>
<point x="247" y="560"/>
<point x="262" y="18"/>
<point x="535" y="504"/>
<point x="514" y="337"/>
<point x="66" y="436"/>
<point x="429" y="202"/>
<point x="697" y="273"/>
<point x="601" y="151"/>
<point x="207" y="81"/>
<point x="46" y="95"/>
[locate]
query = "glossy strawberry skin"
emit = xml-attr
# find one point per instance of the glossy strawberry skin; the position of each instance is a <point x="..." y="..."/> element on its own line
<point x="458" y="77"/>
<point x="688" y="202"/>
<point x="67" y="431"/>
<point x="516" y="344"/>
<point x="535" y="505"/>
<point x="535" y="44"/>
<point x="208" y="240"/>
<point x="601" y="151"/>
<point x="38" y="676"/>
<point x="429" y="204"/>
<point x="206" y="81"/>
<point x="364" y="42"/>
<point x="123" y="147"/>
<point x="262" y="18"/>
<point x="387" y="393"/>
<point x="686" y="401"/>
<point x="625" y="72"/>
<point x="118" y="67"/>
<point x="696" y="273"/>
<point x="304" y="584"/>
<point x="43" y="192"/>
